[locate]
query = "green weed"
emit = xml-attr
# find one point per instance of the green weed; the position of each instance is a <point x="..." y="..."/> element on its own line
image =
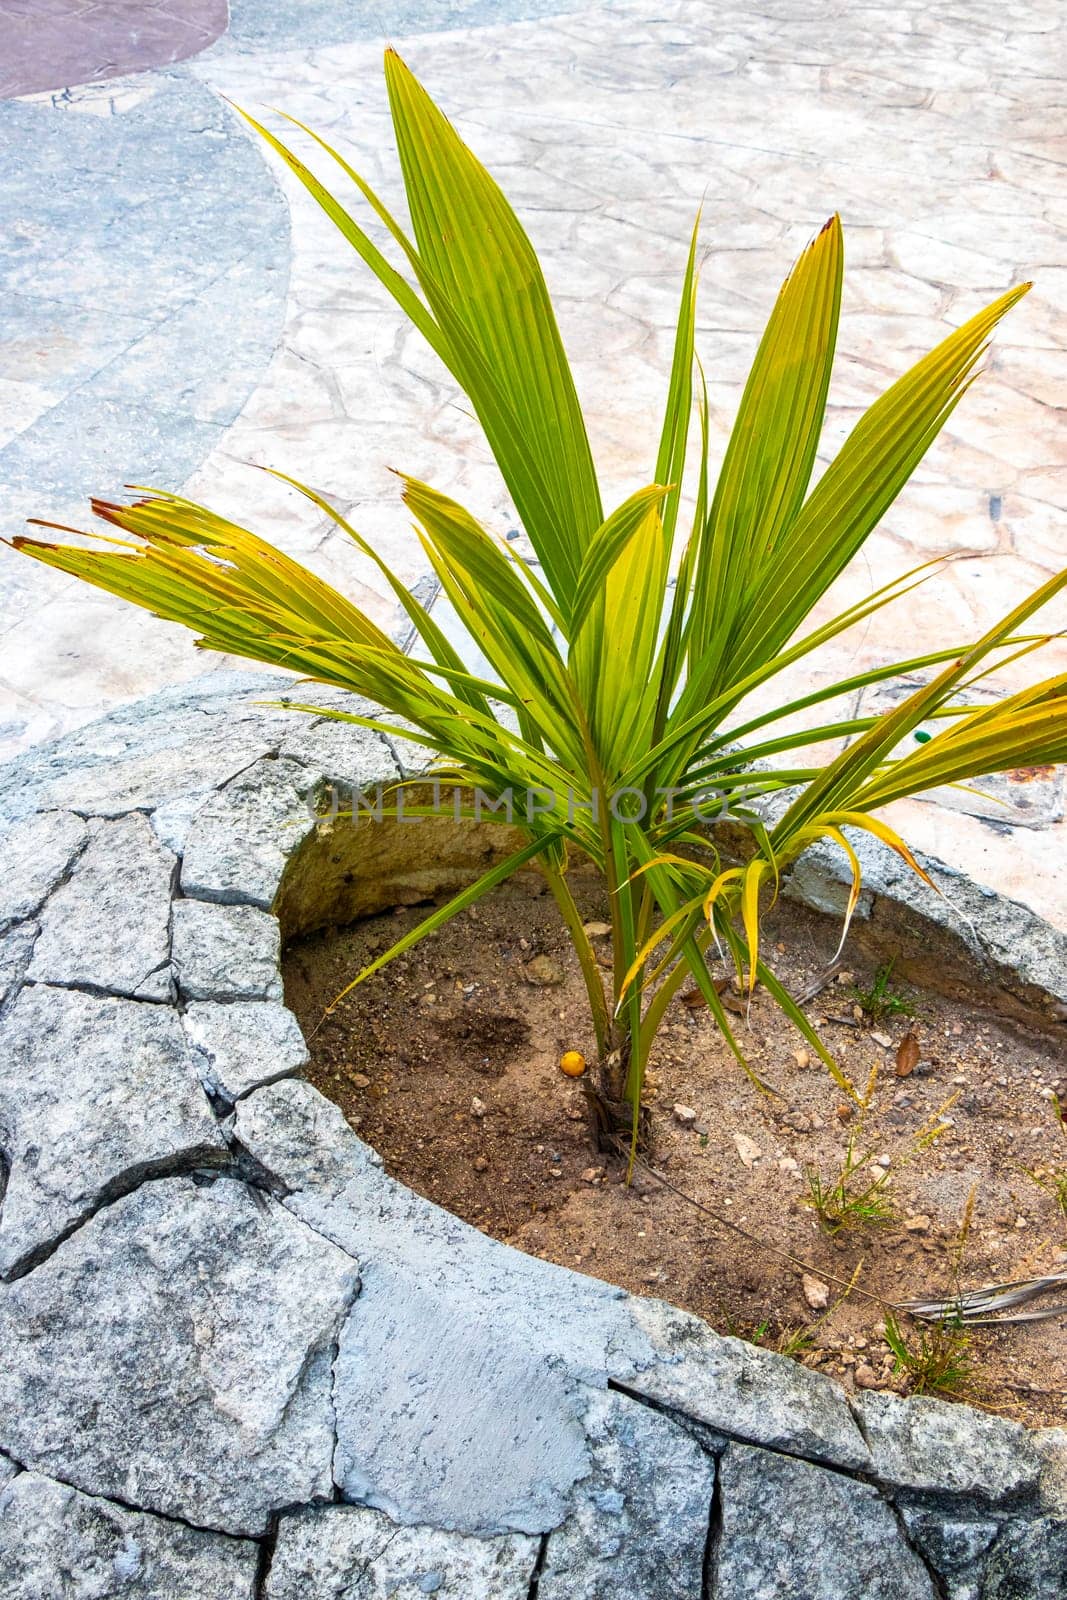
<point x="879" y="1001"/>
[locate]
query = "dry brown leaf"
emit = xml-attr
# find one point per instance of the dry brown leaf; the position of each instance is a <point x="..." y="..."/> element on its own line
<point x="908" y="1053"/>
<point x="693" y="1000"/>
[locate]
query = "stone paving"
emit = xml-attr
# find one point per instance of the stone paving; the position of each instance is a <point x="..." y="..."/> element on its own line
<point x="177" y="312"/>
<point x="241" y="1362"/>
<point x="51" y="44"/>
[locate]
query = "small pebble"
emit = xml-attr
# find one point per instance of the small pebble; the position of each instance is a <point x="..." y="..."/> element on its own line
<point x="816" y="1293"/>
<point x="544" y="972"/>
<point x="748" y="1150"/>
<point x="685" y="1115"/>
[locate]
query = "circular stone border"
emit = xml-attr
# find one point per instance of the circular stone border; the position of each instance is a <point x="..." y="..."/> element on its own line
<point x="240" y="1360"/>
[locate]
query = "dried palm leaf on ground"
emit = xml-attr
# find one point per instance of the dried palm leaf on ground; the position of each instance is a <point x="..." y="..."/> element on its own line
<point x="994" y="1304"/>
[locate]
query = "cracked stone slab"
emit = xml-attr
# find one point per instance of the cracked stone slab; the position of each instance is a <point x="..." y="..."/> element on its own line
<point x="59" y="1544"/>
<point x="95" y="1095"/>
<point x="928" y="1444"/>
<point x="16" y="948"/>
<point x="343" y="755"/>
<point x="1051" y="1446"/>
<point x="190" y="769"/>
<point x="311" y="755"/>
<point x="1028" y="1562"/>
<point x="242" y="1046"/>
<point x="108" y="926"/>
<point x="953" y="1546"/>
<point x="179" y="744"/>
<point x="240" y="839"/>
<point x="730" y="1386"/>
<point x="445" y="1313"/>
<point x="175" y="1354"/>
<point x="351" y="1553"/>
<point x="639" y="1523"/>
<point x="225" y="952"/>
<point x="1025" y="947"/>
<point x="445" y="1415"/>
<point x="37" y="853"/>
<point x="789" y="1528"/>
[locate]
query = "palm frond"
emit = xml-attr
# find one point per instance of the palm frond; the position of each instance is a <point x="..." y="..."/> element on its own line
<point x="607" y="679"/>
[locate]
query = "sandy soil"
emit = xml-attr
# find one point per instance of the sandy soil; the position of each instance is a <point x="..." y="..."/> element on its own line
<point x="447" y="1062"/>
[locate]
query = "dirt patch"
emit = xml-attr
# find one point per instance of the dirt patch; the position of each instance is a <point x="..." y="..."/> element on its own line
<point x="448" y="1064"/>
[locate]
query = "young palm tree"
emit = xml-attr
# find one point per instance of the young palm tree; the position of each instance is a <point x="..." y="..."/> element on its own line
<point x="618" y="695"/>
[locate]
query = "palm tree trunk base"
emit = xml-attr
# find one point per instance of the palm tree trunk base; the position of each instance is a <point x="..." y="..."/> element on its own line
<point x="611" y="1124"/>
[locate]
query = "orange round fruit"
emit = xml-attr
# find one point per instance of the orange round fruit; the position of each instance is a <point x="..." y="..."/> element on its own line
<point x="572" y="1062"/>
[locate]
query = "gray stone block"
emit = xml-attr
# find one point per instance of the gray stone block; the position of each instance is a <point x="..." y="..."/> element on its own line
<point x="95" y="1095"/>
<point x="239" y="840"/>
<point x="36" y="854"/>
<point x="208" y="752"/>
<point x="183" y="741"/>
<point x="1051" y="1446"/>
<point x="107" y="927"/>
<point x="16" y="948"/>
<point x="351" y="1553"/>
<point x="445" y="1314"/>
<point x="954" y="1546"/>
<point x="1028" y="1562"/>
<point x="928" y="1444"/>
<point x="342" y="754"/>
<point x="225" y="952"/>
<point x="176" y="1353"/>
<point x="1025" y="947"/>
<point x="59" y="1544"/>
<point x="791" y="1529"/>
<point x="639" y="1521"/>
<point x="242" y="1046"/>
<point x="734" y="1388"/>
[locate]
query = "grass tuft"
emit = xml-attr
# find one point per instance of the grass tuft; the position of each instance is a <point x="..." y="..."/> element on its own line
<point x="935" y="1359"/>
<point x="1053" y="1179"/>
<point x="879" y="1001"/>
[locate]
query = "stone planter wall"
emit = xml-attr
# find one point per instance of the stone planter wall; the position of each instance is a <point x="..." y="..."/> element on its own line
<point x="239" y="1360"/>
